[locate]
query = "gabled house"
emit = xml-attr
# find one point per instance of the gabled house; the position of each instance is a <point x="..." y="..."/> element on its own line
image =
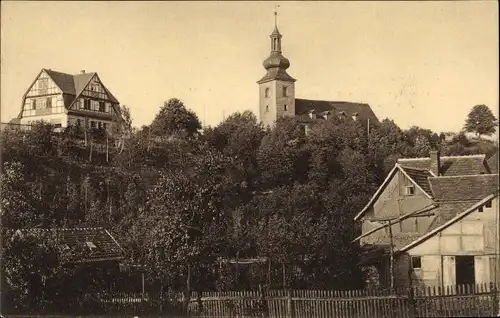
<point x="438" y="217"/>
<point x="64" y="99"/>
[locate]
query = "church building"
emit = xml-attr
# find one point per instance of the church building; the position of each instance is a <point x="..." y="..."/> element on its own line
<point x="277" y="95"/>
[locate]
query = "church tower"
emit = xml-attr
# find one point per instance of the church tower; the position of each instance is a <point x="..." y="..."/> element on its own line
<point x="276" y="88"/>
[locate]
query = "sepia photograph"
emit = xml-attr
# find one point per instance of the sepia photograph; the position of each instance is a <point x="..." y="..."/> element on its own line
<point x="287" y="159"/>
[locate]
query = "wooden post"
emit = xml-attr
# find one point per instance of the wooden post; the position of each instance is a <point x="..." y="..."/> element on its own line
<point x="200" y="304"/>
<point x="290" y="307"/>
<point x="142" y="278"/>
<point x="391" y="250"/>
<point x="90" y="153"/>
<point x="283" y="269"/>
<point x="107" y="147"/>
<point x="269" y="273"/>
<point x="411" y="298"/>
<point x="263" y="302"/>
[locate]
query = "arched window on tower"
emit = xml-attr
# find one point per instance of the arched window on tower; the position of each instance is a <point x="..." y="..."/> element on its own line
<point x="267" y="108"/>
<point x="284" y="91"/>
<point x="267" y="92"/>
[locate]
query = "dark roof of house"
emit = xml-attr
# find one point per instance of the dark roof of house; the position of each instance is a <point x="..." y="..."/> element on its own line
<point x="106" y="247"/>
<point x="364" y="111"/>
<point x="74" y="84"/>
<point x="420" y="177"/>
<point x="64" y="81"/>
<point x="493" y="163"/>
<point x="464" y="188"/>
<point x="400" y="239"/>
<point x="450" y="166"/>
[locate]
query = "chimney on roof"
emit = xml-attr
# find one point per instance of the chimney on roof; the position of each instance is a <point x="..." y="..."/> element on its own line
<point x="82" y="71"/>
<point x="435" y="162"/>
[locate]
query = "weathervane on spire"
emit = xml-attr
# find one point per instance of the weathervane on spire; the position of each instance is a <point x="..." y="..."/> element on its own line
<point x="276" y="6"/>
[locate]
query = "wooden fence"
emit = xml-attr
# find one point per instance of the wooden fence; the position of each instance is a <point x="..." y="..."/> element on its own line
<point x="462" y="301"/>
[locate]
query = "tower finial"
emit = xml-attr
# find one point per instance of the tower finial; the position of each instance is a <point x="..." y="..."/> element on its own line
<point x="276" y="6"/>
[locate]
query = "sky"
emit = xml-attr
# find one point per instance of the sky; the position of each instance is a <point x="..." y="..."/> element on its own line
<point x="418" y="63"/>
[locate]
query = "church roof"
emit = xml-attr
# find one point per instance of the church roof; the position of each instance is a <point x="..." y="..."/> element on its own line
<point x="349" y="109"/>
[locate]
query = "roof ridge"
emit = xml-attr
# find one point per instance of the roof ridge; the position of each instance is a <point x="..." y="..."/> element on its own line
<point x="465" y="156"/>
<point x="442" y="157"/>
<point x="459" y="201"/>
<point x="333" y="101"/>
<point x="420" y="158"/>
<point x="420" y="169"/>
<point x="466" y="176"/>
<point x="51" y="70"/>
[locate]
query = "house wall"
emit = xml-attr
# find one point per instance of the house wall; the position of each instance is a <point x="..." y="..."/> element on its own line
<point x="475" y="235"/>
<point x="61" y="118"/>
<point x="392" y="203"/>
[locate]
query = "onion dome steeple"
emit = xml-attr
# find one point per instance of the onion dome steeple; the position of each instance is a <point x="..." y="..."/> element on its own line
<point x="276" y="64"/>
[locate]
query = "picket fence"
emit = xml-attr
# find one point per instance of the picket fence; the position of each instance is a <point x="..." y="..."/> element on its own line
<point x="453" y="301"/>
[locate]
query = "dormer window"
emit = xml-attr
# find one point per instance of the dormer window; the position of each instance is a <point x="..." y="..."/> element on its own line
<point x="342" y="115"/>
<point x="355" y="116"/>
<point x="312" y="114"/>
<point x="410" y="190"/>
<point x="266" y="92"/>
<point x="285" y="91"/>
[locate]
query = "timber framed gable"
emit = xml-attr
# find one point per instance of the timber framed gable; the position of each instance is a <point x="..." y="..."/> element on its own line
<point x="392" y="184"/>
<point x="43" y="97"/>
<point x="92" y="95"/>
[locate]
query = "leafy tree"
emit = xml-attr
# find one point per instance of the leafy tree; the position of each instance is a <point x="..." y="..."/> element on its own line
<point x="239" y="137"/>
<point x="481" y="121"/>
<point x="282" y="157"/>
<point x="185" y="219"/>
<point x="17" y="205"/>
<point x="175" y="118"/>
<point x="422" y="147"/>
